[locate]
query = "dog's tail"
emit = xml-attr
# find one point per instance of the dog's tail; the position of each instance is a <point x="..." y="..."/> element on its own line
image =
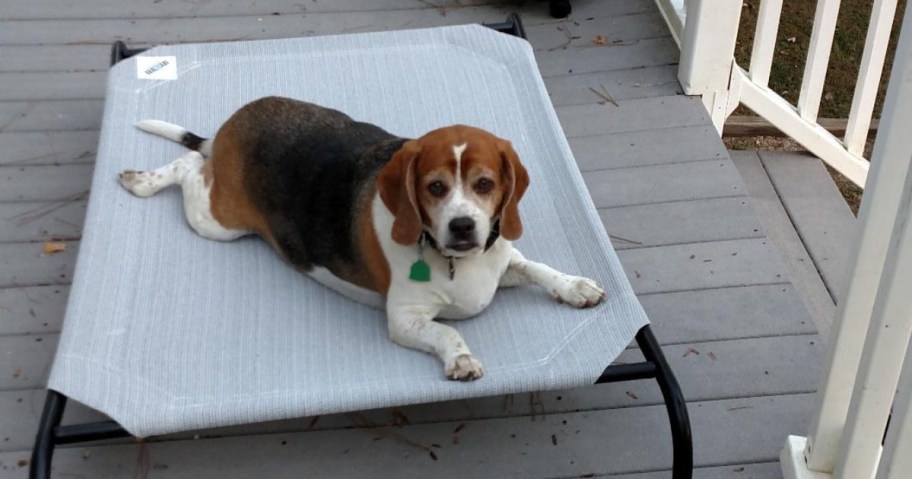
<point x="178" y="134"/>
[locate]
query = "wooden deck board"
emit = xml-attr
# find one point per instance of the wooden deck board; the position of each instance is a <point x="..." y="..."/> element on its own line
<point x="44" y="183"/>
<point x="674" y="144"/>
<point x="533" y="13"/>
<point x="48" y="148"/>
<point x="44" y="116"/>
<point x="630" y="116"/>
<point x="822" y="219"/>
<point x="747" y="361"/>
<point x="698" y="256"/>
<point x="708" y="179"/>
<point x="616" y="85"/>
<point x="32" y="310"/>
<point x="703" y="266"/>
<point x="725" y="431"/>
<point x="26" y="264"/>
<point x="41" y="221"/>
<point x="681" y="222"/>
<point x="781" y="231"/>
<point x="618" y="32"/>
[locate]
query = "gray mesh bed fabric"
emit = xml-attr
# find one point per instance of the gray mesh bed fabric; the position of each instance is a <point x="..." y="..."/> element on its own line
<point x="166" y="331"/>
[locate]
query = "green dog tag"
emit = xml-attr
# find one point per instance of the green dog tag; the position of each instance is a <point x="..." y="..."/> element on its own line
<point x="420" y="272"/>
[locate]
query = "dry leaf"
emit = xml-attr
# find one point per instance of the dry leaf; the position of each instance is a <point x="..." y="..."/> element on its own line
<point x="599" y="40"/>
<point x="54" y="247"/>
<point x="632" y="396"/>
<point x="690" y="351"/>
<point x="17" y="372"/>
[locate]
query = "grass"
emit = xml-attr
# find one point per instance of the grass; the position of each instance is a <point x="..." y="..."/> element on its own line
<point x="792" y="43"/>
<point x="792" y="46"/>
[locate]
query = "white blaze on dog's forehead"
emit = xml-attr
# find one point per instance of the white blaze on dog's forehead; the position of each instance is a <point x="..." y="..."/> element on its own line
<point x="457" y="151"/>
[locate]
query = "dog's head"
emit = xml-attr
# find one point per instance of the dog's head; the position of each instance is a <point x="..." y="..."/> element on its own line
<point x="455" y="182"/>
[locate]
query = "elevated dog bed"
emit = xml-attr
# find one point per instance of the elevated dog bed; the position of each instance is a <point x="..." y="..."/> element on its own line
<point x="166" y="331"/>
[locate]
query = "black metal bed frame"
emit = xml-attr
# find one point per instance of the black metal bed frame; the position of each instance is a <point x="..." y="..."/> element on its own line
<point x="51" y="433"/>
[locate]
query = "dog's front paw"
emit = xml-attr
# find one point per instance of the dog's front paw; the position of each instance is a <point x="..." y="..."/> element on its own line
<point x="463" y="367"/>
<point x="579" y="292"/>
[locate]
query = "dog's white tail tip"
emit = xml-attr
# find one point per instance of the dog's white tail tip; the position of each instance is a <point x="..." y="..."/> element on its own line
<point x="162" y="128"/>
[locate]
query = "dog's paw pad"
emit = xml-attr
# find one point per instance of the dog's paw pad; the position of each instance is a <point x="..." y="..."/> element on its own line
<point x="581" y="292"/>
<point x="464" y="368"/>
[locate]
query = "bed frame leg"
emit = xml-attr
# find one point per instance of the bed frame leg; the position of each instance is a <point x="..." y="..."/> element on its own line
<point x="40" y="466"/>
<point x="682" y="442"/>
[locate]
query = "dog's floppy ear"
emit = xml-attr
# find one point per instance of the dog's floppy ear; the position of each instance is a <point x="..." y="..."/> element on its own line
<point x="516" y="181"/>
<point x="396" y="184"/>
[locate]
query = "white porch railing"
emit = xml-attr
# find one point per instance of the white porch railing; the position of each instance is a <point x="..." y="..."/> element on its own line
<point x="724" y="87"/>
<point x="870" y="358"/>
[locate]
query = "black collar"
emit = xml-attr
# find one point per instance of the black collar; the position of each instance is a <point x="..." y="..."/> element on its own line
<point x="492" y="238"/>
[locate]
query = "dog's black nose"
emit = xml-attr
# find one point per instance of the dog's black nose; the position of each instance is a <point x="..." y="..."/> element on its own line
<point x="462" y="226"/>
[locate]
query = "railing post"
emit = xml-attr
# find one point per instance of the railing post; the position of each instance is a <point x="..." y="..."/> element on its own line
<point x="879" y="210"/>
<point x="896" y="461"/>
<point x="707" y="54"/>
<point x="884" y="350"/>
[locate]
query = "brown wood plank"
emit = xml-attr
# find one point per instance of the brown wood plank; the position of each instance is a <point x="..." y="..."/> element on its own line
<point x="741" y="125"/>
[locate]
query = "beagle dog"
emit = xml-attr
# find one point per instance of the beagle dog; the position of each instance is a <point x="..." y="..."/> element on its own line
<point x="426" y="224"/>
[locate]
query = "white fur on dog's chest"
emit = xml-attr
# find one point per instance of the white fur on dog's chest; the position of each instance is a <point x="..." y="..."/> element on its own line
<point x="473" y="285"/>
<point x="471" y="290"/>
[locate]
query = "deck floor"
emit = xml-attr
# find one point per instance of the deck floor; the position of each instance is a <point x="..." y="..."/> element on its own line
<point x="736" y="298"/>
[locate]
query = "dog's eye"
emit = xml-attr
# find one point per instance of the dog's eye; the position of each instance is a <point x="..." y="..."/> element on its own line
<point x="437" y="188"/>
<point x="484" y="186"/>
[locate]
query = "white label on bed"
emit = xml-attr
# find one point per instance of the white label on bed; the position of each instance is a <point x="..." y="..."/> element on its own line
<point x="156" y="68"/>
